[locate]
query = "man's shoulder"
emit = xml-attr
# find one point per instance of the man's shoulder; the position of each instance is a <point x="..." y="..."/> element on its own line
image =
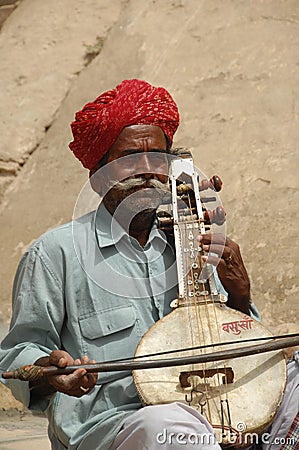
<point x="61" y="237"/>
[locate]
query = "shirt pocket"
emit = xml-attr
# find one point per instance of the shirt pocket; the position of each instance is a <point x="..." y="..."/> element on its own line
<point x="110" y="334"/>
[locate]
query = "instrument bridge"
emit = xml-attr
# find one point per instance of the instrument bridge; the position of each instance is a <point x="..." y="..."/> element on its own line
<point x="221" y="375"/>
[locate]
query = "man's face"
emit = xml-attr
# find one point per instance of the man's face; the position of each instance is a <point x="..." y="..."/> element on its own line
<point x="138" y="156"/>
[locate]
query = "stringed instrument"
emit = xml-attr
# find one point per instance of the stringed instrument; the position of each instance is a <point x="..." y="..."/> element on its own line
<point x="237" y="396"/>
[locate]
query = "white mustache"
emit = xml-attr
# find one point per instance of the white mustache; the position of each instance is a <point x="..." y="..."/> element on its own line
<point x="131" y="183"/>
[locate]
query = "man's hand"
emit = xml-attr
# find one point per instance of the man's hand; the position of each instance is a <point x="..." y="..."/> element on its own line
<point x="75" y="384"/>
<point x="230" y="267"/>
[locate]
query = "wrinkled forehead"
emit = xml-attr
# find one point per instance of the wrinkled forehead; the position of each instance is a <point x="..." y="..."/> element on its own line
<point x="143" y="137"/>
<point x="135" y="139"/>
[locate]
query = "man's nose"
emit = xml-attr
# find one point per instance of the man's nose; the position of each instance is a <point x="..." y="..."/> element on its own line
<point x="144" y="165"/>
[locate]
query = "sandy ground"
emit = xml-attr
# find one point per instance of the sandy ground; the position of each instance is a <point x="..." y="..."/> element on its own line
<point x="233" y="68"/>
<point x="23" y="431"/>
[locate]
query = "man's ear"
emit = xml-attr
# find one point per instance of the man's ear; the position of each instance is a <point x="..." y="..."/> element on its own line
<point x="96" y="181"/>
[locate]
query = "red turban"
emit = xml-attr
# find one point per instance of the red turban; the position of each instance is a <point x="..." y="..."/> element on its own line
<point x="132" y="102"/>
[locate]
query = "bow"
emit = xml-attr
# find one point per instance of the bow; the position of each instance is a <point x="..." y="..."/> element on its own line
<point x="33" y="372"/>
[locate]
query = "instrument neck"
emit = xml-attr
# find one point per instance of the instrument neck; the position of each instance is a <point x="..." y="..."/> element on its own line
<point x="196" y="280"/>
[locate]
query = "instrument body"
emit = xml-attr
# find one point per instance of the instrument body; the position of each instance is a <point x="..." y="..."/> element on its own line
<point x="258" y="383"/>
<point x="238" y="396"/>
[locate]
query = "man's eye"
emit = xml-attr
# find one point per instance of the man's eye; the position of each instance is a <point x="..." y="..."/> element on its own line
<point x="152" y="158"/>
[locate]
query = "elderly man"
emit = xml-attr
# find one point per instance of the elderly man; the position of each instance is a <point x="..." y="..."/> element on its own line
<point x="91" y="289"/>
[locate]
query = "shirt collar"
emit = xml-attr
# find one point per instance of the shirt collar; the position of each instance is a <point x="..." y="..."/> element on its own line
<point x="109" y="231"/>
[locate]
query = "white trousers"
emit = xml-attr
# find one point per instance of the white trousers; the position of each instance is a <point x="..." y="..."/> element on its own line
<point x="275" y="438"/>
<point x="160" y="427"/>
<point x="178" y="426"/>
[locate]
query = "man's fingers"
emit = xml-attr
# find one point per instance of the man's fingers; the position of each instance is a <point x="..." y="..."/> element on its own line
<point x="220" y="250"/>
<point x="77" y="375"/>
<point x="62" y="362"/>
<point x="85" y="359"/>
<point x="215" y="238"/>
<point x="211" y="259"/>
<point x="68" y="381"/>
<point x="77" y="383"/>
<point x="60" y="358"/>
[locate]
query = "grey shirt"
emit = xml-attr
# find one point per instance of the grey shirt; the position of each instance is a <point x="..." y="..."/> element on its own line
<point x="88" y="288"/>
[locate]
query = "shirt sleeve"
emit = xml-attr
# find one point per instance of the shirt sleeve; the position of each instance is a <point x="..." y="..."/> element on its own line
<point x="37" y="318"/>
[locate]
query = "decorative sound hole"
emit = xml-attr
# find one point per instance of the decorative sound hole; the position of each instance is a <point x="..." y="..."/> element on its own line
<point x="221" y="375"/>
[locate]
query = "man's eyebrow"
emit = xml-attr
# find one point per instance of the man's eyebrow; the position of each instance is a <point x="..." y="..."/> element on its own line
<point x="137" y="150"/>
<point x="161" y="150"/>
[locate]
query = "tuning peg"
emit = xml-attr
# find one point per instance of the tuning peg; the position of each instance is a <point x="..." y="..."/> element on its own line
<point x="164" y="221"/>
<point x="216" y="216"/>
<point x="216" y="182"/>
<point x="205" y="184"/>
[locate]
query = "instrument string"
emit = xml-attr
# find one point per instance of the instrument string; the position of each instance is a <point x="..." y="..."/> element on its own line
<point x="211" y="277"/>
<point x="188" y="284"/>
<point x="190" y="292"/>
<point x="200" y="347"/>
<point x="198" y="294"/>
<point x="208" y="296"/>
<point x="224" y="363"/>
<point x="216" y="344"/>
<point x="205" y="291"/>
